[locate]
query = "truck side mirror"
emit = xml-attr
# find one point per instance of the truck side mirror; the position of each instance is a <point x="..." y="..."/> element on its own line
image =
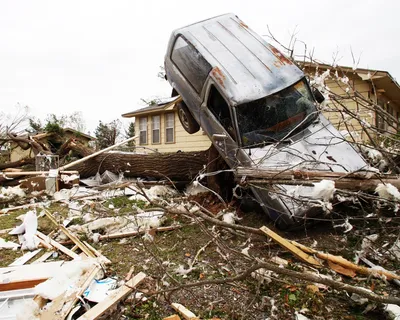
<point x="318" y="95"/>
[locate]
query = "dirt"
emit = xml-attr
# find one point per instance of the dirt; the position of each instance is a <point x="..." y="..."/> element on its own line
<point x="219" y="256"/>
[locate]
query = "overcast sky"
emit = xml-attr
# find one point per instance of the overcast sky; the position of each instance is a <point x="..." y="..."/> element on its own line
<point x="102" y="57"/>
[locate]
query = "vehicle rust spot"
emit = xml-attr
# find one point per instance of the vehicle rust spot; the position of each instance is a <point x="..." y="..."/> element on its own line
<point x="219" y="76"/>
<point x="244" y="25"/>
<point x="281" y="58"/>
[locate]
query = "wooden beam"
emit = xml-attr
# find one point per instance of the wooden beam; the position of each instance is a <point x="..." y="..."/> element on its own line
<point x="18" y="285"/>
<point x="289" y="246"/>
<point x="186" y="313"/>
<point x="58" y="246"/>
<point x="345" y="263"/>
<point x="43" y="257"/>
<point x="135" y="233"/>
<point x="25" y="258"/>
<point x="119" y="294"/>
<point x="70" y="235"/>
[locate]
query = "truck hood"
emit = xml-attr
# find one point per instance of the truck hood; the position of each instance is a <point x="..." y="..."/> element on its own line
<point x="320" y="147"/>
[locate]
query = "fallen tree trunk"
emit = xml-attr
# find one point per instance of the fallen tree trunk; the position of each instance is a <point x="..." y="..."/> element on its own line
<point x="17" y="164"/>
<point x="363" y="181"/>
<point x="175" y="166"/>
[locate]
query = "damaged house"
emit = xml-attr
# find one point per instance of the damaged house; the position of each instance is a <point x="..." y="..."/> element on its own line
<point x="351" y="93"/>
<point x="49" y="141"/>
<point x="160" y="130"/>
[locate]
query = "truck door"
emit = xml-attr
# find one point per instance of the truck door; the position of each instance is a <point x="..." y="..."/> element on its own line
<point x="216" y="121"/>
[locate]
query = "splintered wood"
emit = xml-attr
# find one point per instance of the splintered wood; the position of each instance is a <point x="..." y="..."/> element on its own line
<point x="122" y="292"/>
<point x="336" y="263"/>
<point x="289" y="246"/>
<point x="186" y="313"/>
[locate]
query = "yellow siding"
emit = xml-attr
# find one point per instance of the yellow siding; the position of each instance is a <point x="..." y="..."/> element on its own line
<point x="183" y="140"/>
<point x="18" y="153"/>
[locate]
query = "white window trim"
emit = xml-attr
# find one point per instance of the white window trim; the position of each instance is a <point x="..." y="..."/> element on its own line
<point x="140" y="131"/>
<point x="154" y="129"/>
<point x="173" y="127"/>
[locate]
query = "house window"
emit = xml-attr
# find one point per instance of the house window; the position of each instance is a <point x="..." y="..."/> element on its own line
<point x="190" y="63"/>
<point x="380" y="119"/>
<point x="143" y="130"/>
<point x="169" y="127"/>
<point x="155" y="126"/>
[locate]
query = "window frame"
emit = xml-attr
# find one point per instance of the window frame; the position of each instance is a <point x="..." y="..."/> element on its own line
<point x="140" y="131"/>
<point x="153" y="129"/>
<point x="190" y="44"/>
<point x="166" y="127"/>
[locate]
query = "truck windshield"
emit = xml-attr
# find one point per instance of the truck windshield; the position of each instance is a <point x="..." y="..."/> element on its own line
<point x="270" y="119"/>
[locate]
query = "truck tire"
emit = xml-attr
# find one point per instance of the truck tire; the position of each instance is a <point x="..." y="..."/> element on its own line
<point x="188" y="122"/>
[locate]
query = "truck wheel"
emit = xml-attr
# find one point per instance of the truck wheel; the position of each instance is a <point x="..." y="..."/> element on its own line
<point x="186" y="118"/>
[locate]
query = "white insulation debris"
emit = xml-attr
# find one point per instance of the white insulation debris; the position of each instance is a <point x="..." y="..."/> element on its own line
<point x="393" y="311"/>
<point x="10" y="192"/>
<point x="28" y="230"/>
<point x="195" y="188"/>
<point x="388" y="191"/>
<point x="324" y="190"/>
<point x="64" y="281"/>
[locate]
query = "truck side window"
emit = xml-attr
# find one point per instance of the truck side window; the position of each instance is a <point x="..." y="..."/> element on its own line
<point x="220" y="109"/>
<point x="190" y="63"/>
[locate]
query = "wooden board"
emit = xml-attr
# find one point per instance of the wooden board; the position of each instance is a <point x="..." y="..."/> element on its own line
<point x="58" y="246"/>
<point x="43" y="257"/>
<point x="289" y="246"/>
<point x="25" y="258"/>
<point x="111" y="300"/>
<point x="186" y="313"/>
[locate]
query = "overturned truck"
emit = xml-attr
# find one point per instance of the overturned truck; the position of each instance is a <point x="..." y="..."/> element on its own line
<point x="257" y="108"/>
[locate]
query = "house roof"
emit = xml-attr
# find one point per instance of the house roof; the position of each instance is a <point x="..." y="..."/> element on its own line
<point x="382" y="80"/>
<point x="163" y="105"/>
<point x="80" y="133"/>
<point x="42" y="135"/>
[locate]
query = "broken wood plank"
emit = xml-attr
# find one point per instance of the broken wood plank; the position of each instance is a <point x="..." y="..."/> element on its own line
<point x="289" y="246"/>
<point x="70" y="235"/>
<point x="63" y="304"/>
<point x="58" y="246"/>
<point x="186" y="313"/>
<point x="119" y="294"/>
<point x="173" y="317"/>
<point x="344" y="262"/>
<point x="33" y="173"/>
<point x="98" y="254"/>
<point x="43" y="257"/>
<point x="18" y="285"/>
<point x="25" y="258"/>
<point x="135" y="233"/>
<point x="129" y="274"/>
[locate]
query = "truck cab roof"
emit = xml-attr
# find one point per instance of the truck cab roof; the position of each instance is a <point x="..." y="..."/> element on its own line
<point x="244" y="65"/>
